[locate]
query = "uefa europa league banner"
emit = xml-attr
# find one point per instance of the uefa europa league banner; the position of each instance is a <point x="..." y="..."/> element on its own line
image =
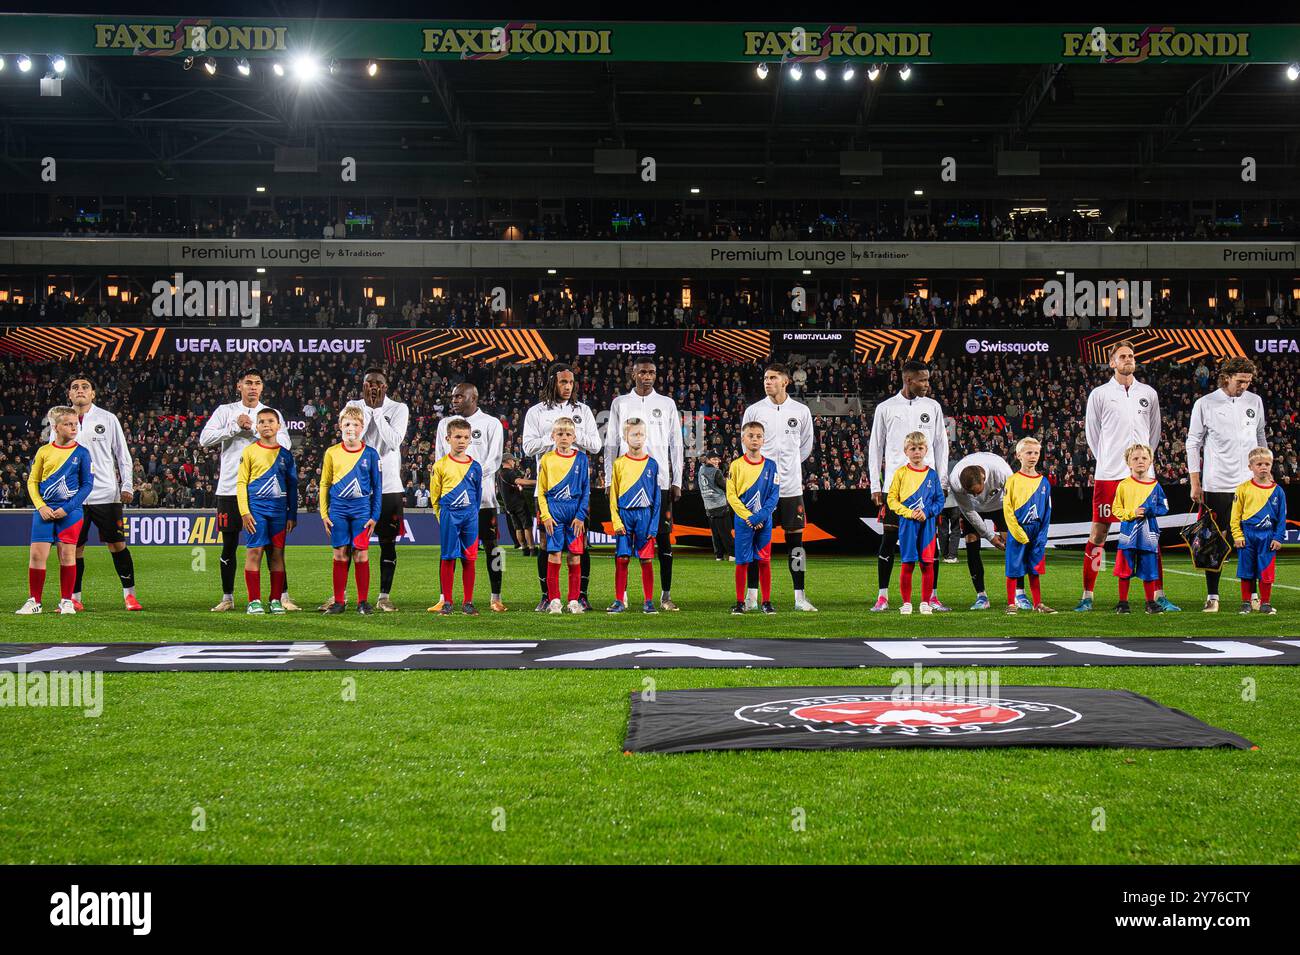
<point x="528" y="345"/>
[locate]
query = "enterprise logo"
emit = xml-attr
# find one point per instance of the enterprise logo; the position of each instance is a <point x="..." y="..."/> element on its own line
<point x="589" y="346"/>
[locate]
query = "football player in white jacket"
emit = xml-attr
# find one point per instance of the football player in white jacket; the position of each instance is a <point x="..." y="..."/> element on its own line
<point x="230" y="428"/>
<point x="557" y="402"/>
<point x="912" y="409"/>
<point x="110" y="460"/>
<point x="663" y="424"/>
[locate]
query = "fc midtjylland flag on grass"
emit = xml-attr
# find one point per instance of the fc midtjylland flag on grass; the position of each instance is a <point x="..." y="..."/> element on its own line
<point x="864" y="717"/>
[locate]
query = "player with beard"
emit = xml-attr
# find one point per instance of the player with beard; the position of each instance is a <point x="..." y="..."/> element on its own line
<point x="1120" y="413"/>
<point x="486" y="438"/>
<point x="558" y="402"/>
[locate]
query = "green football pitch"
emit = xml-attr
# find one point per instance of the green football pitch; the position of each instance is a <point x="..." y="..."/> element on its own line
<point x="527" y="766"/>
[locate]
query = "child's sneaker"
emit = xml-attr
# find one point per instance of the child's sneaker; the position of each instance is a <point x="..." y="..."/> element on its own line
<point x="1245" y="607"/>
<point x="335" y="608"/>
<point x="555" y="606"/>
<point x="1122" y="607"/>
<point x="447" y="609"/>
<point x="1267" y="609"/>
<point x="364" y="608"/>
<point x="255" y="606"/>
<point x="275" y="607"/>
<point x="926" y="608"/>
<point x="1043" y="608"/>
<point x="881" y="605"/>
<point x="28" y="608"/>
<point x="938" y="606"/>
<point x="616" y="607"/>
<point x="767" y="608"/>
<point x="649" y="607"/>
<point x="1022" y="601"/>
<point x="737" y="611"/>
<point x="906" y="608"/>
<point x="575" y="606"/>
<point x="468" y="609"/>
<point x="1012" y="610"/>
<point x="66" y="606"/>
<point x="1154" y="607"/>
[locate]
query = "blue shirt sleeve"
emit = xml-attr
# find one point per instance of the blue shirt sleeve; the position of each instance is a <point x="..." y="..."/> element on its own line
<point x="1159" y="504"/>
<point x="1279" y="534"/>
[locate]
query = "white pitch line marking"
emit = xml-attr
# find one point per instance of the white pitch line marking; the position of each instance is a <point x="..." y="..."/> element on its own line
<point x="1188" y="573"/>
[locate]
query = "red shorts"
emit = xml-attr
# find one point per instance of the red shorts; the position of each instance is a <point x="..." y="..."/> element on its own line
<point x="1103" y="496"/>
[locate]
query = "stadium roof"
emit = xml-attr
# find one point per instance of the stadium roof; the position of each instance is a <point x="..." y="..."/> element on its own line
<point x="520" y="125"/>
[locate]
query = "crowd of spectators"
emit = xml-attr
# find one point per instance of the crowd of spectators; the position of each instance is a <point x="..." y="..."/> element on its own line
<point x="323" y="220"/>
<point x="732" y="308"/>
<point x="990" y="401"/>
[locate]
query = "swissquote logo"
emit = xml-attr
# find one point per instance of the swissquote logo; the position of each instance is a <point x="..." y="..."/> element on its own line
<point x="1087" y="299"/>
<point x="213" y="299"/>
<point x="976" y="345"/>
<point x="921" y="714"/>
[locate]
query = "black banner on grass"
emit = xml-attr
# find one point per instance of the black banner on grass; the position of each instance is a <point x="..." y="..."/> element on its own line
<point x="865" y="717"/>
<point x="633" y="654"/>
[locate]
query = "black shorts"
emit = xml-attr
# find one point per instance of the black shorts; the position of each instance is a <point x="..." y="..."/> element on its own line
<point x="520" y="519"/>
<point x="790" y="514"/>
<point x="229" y="520"/>
<point x="994" y="517"/>
<point x="107" y="519"/>
<point x="487" y="525"/>
<point x="392" y="517"/>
